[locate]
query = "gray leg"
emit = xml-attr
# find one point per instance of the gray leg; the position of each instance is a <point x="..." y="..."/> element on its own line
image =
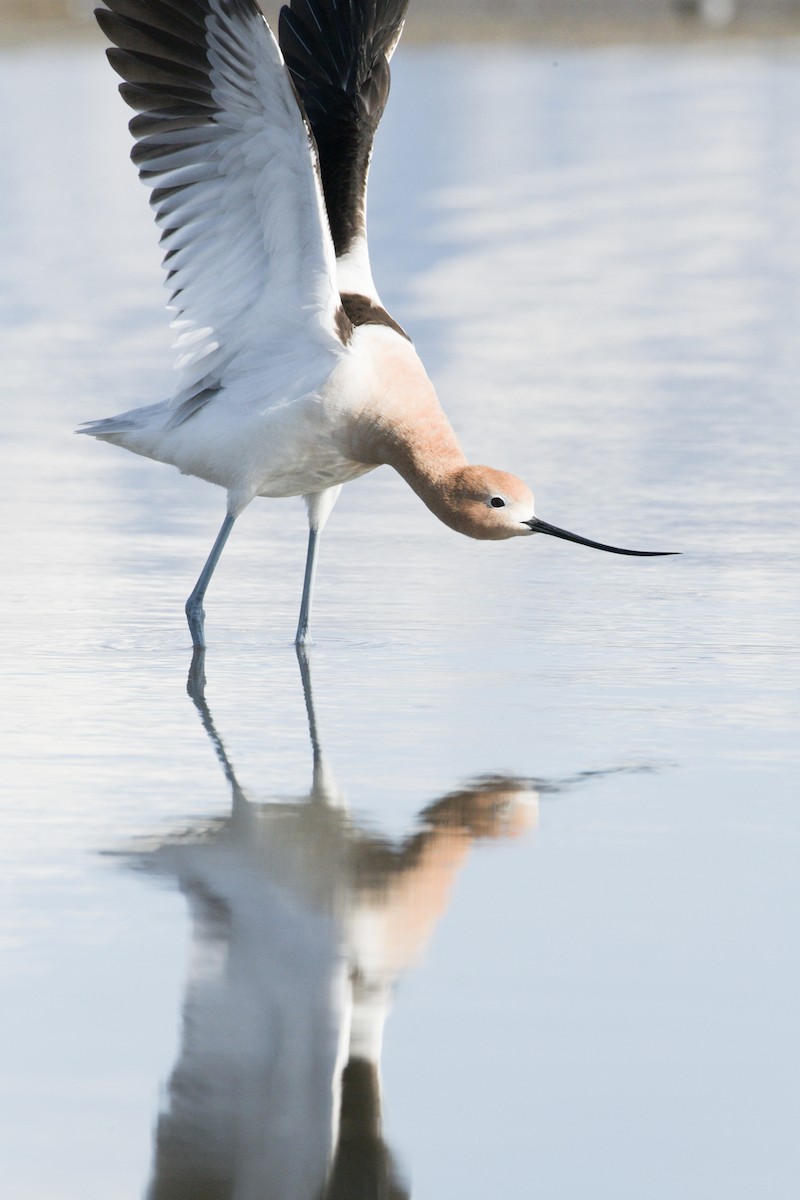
<point x="303" y="636"/>
<point x="194" y="605"/>
<point x="319" y="509"/>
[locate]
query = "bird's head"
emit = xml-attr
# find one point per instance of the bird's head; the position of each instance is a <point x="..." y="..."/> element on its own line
<point x="487" y="504"/>
<point x="493" y="505"/>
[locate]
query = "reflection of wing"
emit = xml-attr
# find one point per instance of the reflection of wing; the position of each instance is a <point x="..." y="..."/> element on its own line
<point x="221" y="140"/>
<point x="338" y="55"/>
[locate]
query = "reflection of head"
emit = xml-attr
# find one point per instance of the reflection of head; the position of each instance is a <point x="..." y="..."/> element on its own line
<point x="362" y="1167"/>
<point x="494" y="806"/>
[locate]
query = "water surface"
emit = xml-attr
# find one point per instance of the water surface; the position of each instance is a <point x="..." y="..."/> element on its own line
<point x="548" y="817"/>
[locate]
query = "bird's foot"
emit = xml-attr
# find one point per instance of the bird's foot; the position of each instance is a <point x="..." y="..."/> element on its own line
<point x="196" y="616"/>
<point x="303" y="638"/>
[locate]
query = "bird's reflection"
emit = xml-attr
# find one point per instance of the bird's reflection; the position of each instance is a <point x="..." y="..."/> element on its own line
<point x="302" y="922"/>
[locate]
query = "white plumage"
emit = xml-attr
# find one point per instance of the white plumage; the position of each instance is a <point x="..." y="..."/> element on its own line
<point x="292" y="378"/>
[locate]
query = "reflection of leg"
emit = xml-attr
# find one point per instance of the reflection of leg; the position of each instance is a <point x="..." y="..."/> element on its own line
<point x="308" y="696"/>
<point x="196" y="687"/>
<point x="196" y="681"/>
<point x="194" y="605"/>
<point x="324" y="787"/>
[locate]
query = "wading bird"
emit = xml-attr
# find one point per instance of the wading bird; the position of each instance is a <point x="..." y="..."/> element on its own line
<point x="293" y="378"/>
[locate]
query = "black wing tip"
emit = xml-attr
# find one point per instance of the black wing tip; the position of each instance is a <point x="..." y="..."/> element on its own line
<point x="336" y="53"/>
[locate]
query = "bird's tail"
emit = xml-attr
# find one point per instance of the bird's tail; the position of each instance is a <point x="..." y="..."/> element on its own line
<point x="108" y="427"/>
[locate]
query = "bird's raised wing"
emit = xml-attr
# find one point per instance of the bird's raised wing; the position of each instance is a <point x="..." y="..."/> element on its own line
<point x="223" y="143"/>
<point x="338" y="52"/>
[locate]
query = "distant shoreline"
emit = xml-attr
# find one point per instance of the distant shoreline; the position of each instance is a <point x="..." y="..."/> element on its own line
<point x="479" y="24"/>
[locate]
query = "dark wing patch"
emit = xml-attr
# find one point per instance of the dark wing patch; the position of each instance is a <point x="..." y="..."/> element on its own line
<point x="360" y="310"/>
<point x="198" y="398"/>
<point x="337" y="52"/>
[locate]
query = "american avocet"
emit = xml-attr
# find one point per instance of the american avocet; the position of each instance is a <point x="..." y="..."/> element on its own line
<point x="293" y="378"/>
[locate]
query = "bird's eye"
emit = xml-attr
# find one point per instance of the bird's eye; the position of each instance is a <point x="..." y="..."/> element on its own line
<point x="497" y="502"/>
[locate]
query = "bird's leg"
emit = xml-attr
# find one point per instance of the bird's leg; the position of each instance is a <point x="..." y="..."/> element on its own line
<point x="303" y="636"/>
<point x="319" y="509"/>
<point x="194" y="605"/>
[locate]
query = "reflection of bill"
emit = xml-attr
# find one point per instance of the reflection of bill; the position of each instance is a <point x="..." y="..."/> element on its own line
<point x="302" y="922"/>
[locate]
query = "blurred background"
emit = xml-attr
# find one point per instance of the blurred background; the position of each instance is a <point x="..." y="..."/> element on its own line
<point x="585" y="20"/>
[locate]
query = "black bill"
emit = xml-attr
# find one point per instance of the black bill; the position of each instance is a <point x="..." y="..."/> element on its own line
<point x="544" y="527"/>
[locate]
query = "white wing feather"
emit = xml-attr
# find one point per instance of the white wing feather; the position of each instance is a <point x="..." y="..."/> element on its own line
<point x="248" y="248"/>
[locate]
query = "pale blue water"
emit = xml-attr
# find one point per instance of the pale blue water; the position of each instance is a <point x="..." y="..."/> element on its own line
<point x="597" y="255"/>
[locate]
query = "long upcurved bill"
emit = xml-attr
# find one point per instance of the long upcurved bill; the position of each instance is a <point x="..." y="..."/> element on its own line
<point x="545" y="527"/>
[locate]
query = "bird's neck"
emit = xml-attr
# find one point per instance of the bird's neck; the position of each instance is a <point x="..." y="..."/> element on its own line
<point x="428" y="467"/>
<point x="425" y="451"/>
<point x="401" y="423"/>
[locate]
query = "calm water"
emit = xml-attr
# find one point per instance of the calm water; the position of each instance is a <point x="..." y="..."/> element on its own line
<point x="549" y="819"/>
